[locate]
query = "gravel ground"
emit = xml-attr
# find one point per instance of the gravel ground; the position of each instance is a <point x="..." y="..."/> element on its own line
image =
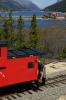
<point x="50" y="93"/>
<point x="56" y="73"/>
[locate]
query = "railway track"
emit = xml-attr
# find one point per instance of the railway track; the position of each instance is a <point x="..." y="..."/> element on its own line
<point x="30" y="89"/>
<point x="55" y="80"/>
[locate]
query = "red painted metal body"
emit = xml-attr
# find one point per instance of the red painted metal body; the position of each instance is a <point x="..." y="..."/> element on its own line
<point x="18" y="66"/>
<point x="16" y="70"/>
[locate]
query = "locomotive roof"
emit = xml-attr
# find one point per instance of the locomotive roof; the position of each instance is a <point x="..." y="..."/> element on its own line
<point x="24" y="52"/>
<point x="3" y="44"/>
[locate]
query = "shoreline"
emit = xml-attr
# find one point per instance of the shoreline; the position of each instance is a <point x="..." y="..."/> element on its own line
<point x="37" y="18"/>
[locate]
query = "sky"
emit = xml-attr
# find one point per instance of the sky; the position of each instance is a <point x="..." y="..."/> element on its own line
<point x="43" y="3"/>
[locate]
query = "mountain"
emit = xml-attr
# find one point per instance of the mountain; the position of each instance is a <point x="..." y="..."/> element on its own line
<point x="59" y="1"/>
<point x="58" y="7"/>
<point x="18" y="5"/>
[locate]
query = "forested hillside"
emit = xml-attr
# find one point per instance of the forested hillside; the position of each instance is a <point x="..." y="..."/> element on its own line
<point x="60" y="7"/>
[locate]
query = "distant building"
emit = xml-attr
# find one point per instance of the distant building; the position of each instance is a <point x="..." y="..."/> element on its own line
<point x="54" y="15"/>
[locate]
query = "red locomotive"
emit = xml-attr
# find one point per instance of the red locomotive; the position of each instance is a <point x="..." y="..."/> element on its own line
<point x="18" y="66"/>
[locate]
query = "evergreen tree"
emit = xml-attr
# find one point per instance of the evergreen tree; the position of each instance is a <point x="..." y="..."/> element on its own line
<point x="9" y="30"/>
<point x="6" y="31"/>
<point x="64" y="53"/>
<point x="1" y="34"/>
<point x="35" y="37"/>
<point x="21" y="34"/>
<point x="1" y="31"/>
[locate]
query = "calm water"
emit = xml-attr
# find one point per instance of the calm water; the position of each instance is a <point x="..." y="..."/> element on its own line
<point x="41" y="23"/>
<point x="24" y="13"/>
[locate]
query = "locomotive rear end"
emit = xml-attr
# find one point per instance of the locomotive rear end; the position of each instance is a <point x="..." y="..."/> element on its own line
<point x="18" y="66"/>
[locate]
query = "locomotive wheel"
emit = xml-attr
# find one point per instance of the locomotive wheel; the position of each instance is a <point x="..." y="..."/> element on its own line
<point x="36" y="82"/>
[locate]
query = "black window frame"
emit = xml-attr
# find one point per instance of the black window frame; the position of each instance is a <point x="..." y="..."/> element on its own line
<point x="30" y="65"/>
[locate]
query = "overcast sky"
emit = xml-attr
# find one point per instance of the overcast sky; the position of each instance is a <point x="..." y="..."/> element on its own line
<point x="44" y="3"/>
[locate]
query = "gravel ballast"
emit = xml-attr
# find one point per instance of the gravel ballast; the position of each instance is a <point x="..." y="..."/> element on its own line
<point x="48" y="93"/>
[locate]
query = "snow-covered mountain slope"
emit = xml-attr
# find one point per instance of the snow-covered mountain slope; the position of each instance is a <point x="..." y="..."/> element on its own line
<point x="18" y="5"/>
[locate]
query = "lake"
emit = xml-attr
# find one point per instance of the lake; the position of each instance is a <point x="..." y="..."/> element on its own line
<point x="24" y="13"/>
<point x="41" y="23"/>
